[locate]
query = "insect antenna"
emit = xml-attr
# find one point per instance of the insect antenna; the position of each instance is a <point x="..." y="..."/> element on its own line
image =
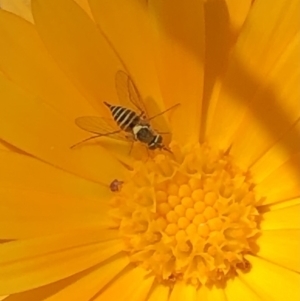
<point x="163" y="112"/>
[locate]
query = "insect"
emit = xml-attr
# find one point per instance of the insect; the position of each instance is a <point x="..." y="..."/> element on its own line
<point x="116" y="185"/>
<point x="130" y="117"/>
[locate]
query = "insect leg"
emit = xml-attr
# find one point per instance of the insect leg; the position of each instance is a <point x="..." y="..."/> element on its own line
<point x="167" y="149"/>
<point x="94" y="137"/>
<point x="131" y="147"/>
<point x="90" y="138"/>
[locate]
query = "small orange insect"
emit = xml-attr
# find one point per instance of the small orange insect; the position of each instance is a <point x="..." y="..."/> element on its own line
<point x="116" y="185"/>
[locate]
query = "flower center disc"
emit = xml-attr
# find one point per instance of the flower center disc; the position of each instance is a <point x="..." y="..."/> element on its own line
<point x="189" y="216"/>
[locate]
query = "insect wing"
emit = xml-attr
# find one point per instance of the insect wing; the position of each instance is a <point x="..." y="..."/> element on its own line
<point x="101" y="126"/>
<point x="128" y="94"/>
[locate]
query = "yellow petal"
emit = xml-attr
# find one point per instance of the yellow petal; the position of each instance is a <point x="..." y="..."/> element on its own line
<point x="126" y="26"/>
<point x="278" y="154"/>
<point x="84" y="4"/>
<point x="32" y="205"/>
<point x="238" y="12"/>
<point x="160" y="292"/>
<point x="49" y="214"/>
<point x="223" y="19"/>
<point x="25" y="120"/>
<point x="41" y="293"/>
<point x="85" y="56"/>
<point x="182" y="291"/>
<point x="216" y="53"/>
<point x="179" y="30"/>
<point x="237" y="290"/>
<point x="22" y="8"/>
<point x="281" y="247"/>
<point x="15" y="170"/>
<point x="284" y="218"/>
<point x="281" y="205"/>
<point x="91" y="279"/>
<point x="282" y="184"/>
<point x="90" y="285"/>
<point x="211" y="294"/>
<point x="4" y="146"/>
<point x="29" y="65"/>
<point x="123" y="287"/>
<point x="254" y="57"/>
<point x="141" y="291"/>
<point x="19" y="7"/>
<point x="281" y="23"/>
<point x="275" y="108"/>
<point x="267" y="280"/>
<point x="25" y="263"/>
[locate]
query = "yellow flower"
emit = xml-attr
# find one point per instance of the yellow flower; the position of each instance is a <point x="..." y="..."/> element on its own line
<point x="216" y="219"/>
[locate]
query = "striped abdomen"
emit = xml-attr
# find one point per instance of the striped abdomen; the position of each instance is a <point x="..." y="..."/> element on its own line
<point x="125" y="118"/>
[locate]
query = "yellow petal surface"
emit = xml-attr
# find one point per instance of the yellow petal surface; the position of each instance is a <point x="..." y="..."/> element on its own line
<point x="141" y="291"/>
<point x="22" y="8"/>
<point x="4" y="146"/>
<point x="41" y="293"/>
<point x="25" y="121"/>
<point x="237" y="290"/>
<point x="282" y="184"/>
<point x="25" y="172"/>
<point x="254" y="57"/>
<point x="276" y="107"/>
<point x="18" y="7"/>
<point x="160" y="292"/>
<point x="85" y="56"/>
<point x="267" y="280"/>
<point x="26" y="213"/>
<point x="283" y="218"/>
<point x="223" y="19"/>
<point x="281" y="247"/>
<point x="179" y="32"/>
<point x="238" y="11"/>
<point x="278" y="154"/>
<point x="90" y="285"/>
<point x="25" y="60"/>
<point x="126" y="26"/>
<point x="182" y="291"/>
<point x="126" y="285"/>
<point x="216" y="53"/>
<point x="282" y="205"/>
<point x="211" y="294"/>
<point x="27" y="264"/>
<point x="32" y="205"/>
<point x="281" y="23"/>
<point x="84" y="4"/>
<point x="91" y="280"/>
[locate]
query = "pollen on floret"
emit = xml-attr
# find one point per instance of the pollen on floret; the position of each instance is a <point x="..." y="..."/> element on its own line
<point x="191" y="215"/>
